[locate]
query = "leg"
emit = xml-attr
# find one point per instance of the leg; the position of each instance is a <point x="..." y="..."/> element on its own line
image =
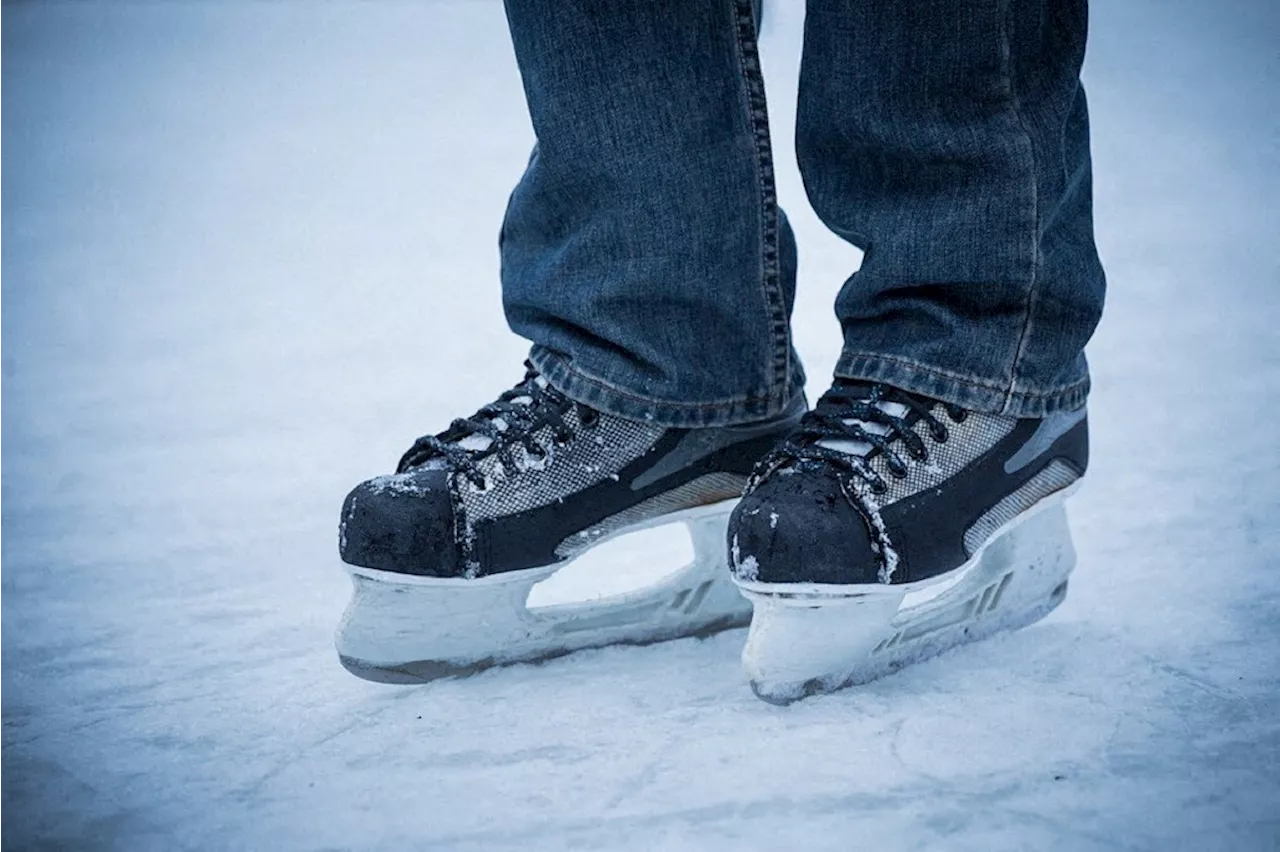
<point x="644" y="255"/>
<point x="949" y="140"/>
<point x="918" y="506"/>
<point x="643" y="252"/>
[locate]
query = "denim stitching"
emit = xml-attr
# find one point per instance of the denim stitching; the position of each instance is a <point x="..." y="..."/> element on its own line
<point x="587" y="389"/>
<point x="605" y="387"/>
<point x="757" y="115"/>
<point x="1016" y="105"/>
<point x="877" y="367"/>
<point x="937" y="372"/>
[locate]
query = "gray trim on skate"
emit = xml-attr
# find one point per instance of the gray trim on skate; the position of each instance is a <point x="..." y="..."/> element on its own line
<point x="1050" y="429"/>
<point x="697" y="444"/>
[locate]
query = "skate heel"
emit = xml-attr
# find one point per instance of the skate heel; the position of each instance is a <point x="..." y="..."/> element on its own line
<point x="814" y="639"/>
<point x="404" y="629"/>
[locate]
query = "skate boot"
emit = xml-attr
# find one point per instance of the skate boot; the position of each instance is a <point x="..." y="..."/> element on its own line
<point x="443" y="553"/>
<point x="890" y="527"/>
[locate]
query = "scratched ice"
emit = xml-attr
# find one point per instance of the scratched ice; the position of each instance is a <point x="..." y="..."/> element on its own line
<point x="249" y="256"/>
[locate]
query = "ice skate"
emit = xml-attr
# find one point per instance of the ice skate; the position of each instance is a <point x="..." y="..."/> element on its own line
<point x="443" y="553"/>
<point x="890" y="527"/>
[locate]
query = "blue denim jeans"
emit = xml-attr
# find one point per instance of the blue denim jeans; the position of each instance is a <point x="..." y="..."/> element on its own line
<point x="646" y="257"/>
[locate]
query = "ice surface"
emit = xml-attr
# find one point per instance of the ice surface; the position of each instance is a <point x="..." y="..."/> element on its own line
<point x="249" y="256"/>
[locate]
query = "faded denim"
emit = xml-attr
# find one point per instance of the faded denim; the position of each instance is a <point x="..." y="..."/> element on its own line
<point x="645" y="255"/>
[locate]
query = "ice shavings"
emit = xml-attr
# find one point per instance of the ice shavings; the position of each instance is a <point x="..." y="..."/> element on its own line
<point x="744" y="567"/>
<point x="342" y="527"/>
<point x="398" y="483"/>
<point x="882" y="546"/>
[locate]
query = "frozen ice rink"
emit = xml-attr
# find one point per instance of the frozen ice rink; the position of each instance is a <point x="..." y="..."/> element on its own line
<point x="250" y="254"/>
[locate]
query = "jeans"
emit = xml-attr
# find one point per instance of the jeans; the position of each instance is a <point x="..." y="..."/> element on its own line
<point x="645" y="255"/>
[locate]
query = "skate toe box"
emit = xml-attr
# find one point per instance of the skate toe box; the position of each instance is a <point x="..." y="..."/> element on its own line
<point x="800" y="529"/>
<point x="402" y="523"/>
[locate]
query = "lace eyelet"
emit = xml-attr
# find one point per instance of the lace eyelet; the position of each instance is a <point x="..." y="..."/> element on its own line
<point x="879" y="487"/>
<point x="589" y="418"/>
<point x="942" y="436"/>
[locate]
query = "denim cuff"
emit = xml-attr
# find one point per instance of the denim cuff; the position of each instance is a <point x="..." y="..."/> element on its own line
<point x="621" y="402"/>
<point x="973" y="393"/>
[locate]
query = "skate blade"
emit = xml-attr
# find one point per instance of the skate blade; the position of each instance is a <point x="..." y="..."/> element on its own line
<point x="404" y="629"/>
<point x="809" y="639"/>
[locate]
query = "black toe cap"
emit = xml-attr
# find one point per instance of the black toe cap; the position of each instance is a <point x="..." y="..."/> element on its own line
<point x="402" y="523"/>
<point x="798" y="527"/>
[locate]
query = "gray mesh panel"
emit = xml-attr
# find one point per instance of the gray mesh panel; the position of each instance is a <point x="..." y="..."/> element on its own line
<point x="594" y="454"/>
<point x="968" y="440"/>
<point x="711" y="488"/>
<point x="1055" y="477"/>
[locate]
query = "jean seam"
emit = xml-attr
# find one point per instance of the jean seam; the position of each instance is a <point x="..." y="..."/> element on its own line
<point x="606" y="387"/>
<point x="1015" y="104"/>
<point x="843" y="369"/>
<point x="757" y="117"/>
<point x="937" y="372"/>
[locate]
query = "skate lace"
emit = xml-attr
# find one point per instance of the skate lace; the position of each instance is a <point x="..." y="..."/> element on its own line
<point x="499" y="428"/>
<point x="853" y="423"/>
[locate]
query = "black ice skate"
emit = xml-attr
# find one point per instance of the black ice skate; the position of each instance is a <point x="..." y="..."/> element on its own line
<point x="444" y="552"/>
<point x="890" y="527"/>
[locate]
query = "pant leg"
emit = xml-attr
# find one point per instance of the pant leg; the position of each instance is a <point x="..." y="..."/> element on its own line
<point x="643" y="251"/>
<point x="949" y="140"/>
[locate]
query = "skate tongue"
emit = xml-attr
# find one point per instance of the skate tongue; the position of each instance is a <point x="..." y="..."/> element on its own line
<point x="475" y="443"/>
<point x="480" y="443"/>
<point x="854" y="447"/>
<point x="527" y="400"/>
